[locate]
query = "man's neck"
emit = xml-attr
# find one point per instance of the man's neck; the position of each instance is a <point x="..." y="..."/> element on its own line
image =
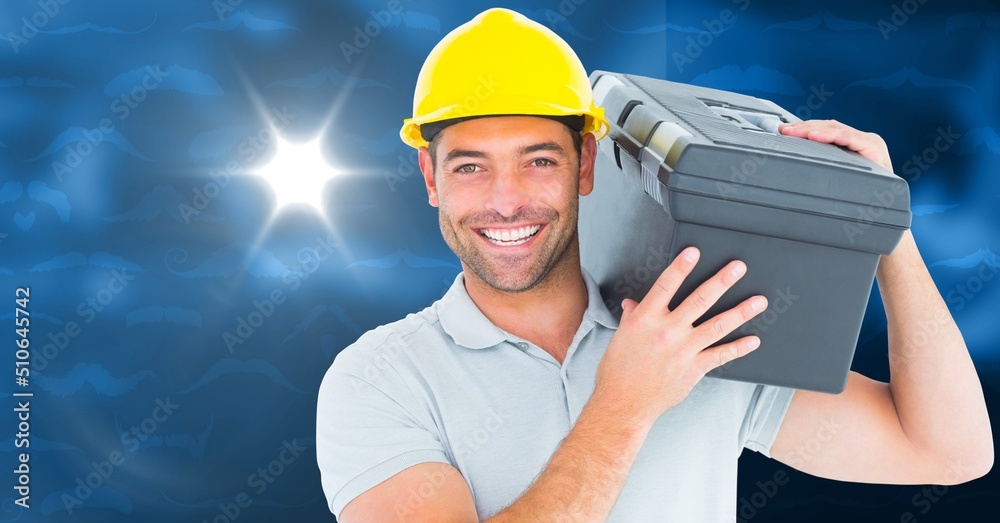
<point x="547" y="315"/>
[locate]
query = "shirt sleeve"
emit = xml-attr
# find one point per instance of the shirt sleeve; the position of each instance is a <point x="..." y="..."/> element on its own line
<point x="369" y="424"/>
<point x="765" y="412"/>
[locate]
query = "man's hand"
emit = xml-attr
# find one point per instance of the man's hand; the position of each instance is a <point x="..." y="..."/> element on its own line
<point x="657" y="356"/>
<point x="930" y="423"/>
<point x="869" y="145"/>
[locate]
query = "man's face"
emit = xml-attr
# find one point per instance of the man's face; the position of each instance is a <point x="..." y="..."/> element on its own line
<point x="508" y="189"/>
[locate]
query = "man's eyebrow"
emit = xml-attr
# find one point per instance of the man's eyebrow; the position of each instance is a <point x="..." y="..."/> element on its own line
<point x="527" y="149"/>
<point x="463" y="153"/>
<point x="544" y="146"/>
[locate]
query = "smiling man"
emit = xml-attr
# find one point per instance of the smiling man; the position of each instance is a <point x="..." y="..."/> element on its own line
<point x="509" y="242"/>
<point x="519" y="397"/>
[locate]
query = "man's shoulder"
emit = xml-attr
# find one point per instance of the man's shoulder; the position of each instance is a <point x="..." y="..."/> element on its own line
<point x="393" y="343"/>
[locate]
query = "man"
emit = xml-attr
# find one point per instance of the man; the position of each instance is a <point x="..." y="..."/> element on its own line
<point x="518" y="397"/>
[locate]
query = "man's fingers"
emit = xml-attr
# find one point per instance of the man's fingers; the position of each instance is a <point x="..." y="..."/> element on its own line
<point x="670" y="280"/>
<point x="869" y="145"/>
<point x="792" y="130"/>
<point x="709" y="292"/>
<point x="628" y="305"/>
<point x="718" y="356"/>
<point x="821" y="131"/>
<point x="802" y="128"/>
<point x="723" y="323"/>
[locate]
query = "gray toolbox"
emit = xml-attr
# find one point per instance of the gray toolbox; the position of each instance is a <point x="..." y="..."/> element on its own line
<point x="686" y="165"/>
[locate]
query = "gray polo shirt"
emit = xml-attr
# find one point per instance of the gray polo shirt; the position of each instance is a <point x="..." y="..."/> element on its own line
<point x="446" y="385"/>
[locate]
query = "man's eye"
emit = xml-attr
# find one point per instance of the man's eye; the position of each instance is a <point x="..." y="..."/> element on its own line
<point x="542" y="162"/>
<point x="468" y="168"/>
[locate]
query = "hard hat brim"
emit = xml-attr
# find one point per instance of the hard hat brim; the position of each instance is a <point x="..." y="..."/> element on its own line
<point x="412" y="134"/>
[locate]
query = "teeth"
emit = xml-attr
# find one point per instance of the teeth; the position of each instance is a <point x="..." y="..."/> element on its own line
<point x="510" y="236"/>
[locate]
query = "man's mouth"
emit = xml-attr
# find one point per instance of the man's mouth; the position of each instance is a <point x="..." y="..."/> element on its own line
<point x="511" y="236"/>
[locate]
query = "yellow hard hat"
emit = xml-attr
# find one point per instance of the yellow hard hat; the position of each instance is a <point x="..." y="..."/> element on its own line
<point x="501" y="63"/>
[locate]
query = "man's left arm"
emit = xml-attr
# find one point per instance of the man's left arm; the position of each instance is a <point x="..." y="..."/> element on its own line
<point x="929" y="424"/>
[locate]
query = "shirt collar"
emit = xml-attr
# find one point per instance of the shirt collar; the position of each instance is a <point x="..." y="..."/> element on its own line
<point x="596" y="308"/>
<point x="469" y="327"/>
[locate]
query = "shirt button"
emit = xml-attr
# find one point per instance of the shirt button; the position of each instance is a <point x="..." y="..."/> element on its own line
<point x="522" y="345"/>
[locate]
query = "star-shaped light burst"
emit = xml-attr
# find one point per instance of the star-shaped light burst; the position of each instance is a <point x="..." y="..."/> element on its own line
<point x="297" y="173"/>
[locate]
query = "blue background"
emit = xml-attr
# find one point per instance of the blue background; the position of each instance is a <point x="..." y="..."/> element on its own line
<point x="65" y="233"/>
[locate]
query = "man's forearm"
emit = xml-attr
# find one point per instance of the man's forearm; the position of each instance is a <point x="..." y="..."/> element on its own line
<point x="934" y="384"/>
<point x="586" y="473"/>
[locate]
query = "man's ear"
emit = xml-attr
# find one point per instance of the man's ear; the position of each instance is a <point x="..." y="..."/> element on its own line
<point x="588" y="155"/>
<point x="427" y="169"/>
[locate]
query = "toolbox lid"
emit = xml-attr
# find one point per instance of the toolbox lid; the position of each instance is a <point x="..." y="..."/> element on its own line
<point x="723" y="145"/>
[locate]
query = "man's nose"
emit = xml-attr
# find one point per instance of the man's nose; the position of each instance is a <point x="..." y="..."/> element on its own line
<point x="508" y="192"/>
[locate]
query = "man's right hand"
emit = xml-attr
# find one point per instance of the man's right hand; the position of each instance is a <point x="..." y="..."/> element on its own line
<point x="657" y="356"/>
<point x="653" y="361"/>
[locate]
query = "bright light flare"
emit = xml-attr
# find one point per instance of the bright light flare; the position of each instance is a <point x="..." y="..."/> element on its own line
<point x="297" y="174"/>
